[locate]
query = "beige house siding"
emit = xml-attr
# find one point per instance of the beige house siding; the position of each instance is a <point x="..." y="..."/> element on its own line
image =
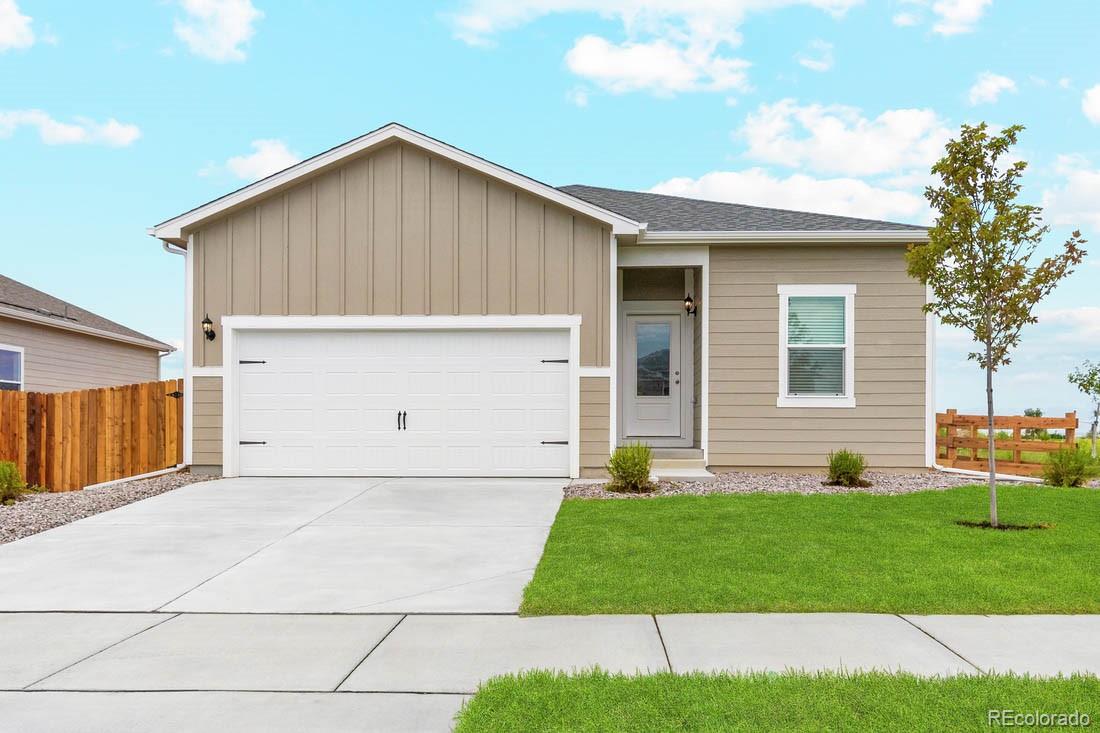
<point x="399" y="231"/>
<point x="888" y="422"/>
<point x="595" y="424"/>
<point x="57" y="360"/>
<point x="206" y="448"/>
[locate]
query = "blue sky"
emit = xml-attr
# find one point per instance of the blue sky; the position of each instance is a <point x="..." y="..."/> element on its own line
<point x="114" y="116"/>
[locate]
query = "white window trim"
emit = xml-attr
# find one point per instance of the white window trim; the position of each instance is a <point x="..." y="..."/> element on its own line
<point x="22" y="365"/>
<point x="848" y="292"/>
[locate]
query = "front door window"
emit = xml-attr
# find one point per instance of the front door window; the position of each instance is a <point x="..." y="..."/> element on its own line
<point x="653" y="365"/>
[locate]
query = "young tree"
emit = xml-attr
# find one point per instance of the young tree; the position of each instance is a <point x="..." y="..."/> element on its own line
<point x="1087" y="379"/>
<point x="977" y="262"/>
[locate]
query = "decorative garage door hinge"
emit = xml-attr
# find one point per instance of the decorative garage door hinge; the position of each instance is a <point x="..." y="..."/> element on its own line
<point x="555" y="361"/>
<point x="251" y="361"/>
<point x="252" y="442"/>
<point x="555" y="442"/>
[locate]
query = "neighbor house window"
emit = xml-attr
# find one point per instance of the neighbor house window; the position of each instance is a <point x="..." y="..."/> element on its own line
<point x="816" y="355"/>
<point x="11" y="367"/>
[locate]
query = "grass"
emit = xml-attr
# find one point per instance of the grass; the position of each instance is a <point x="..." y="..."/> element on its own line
<point x="850" y="552"/>
<point x="596" y="701"/>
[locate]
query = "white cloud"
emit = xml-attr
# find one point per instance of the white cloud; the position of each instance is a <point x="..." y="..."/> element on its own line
<point x="15" y="28"/>
<point x="217" y="29"/>
<point x="838" y="139"/>
<point x="267" y="157"/>
<point x="577" y="96"/>
<point x="819" y="57"/>
<point x="989" y="87"/>
<point x="1077" y="324"/>
<point x="842" y="196"/>
<point x="81" y="131"/>
<point x="1065" y="82"/>
<point x="658" y="66"/>
<point x="1073" y="203"/>
<point x="952" y="17"/>
<point x="1090" y="104"/>
<point x="670" y="46"/>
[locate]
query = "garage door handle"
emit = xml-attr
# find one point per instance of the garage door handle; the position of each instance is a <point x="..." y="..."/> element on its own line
<point x="402" y="420"/>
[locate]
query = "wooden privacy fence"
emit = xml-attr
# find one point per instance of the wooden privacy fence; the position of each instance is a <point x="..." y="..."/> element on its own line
<point x="68" y="440"/>
<point x="955" y="431"/>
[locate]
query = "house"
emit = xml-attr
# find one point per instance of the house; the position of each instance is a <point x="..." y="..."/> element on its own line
<point x="48" y="345"/>
<point x="398" y="306"/>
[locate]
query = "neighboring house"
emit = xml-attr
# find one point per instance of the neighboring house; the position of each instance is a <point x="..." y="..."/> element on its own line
<point x="48" y="345"/>
<point x="397" y="306"/>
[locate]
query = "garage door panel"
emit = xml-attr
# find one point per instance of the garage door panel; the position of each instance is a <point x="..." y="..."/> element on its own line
<point x="477" y="403"/>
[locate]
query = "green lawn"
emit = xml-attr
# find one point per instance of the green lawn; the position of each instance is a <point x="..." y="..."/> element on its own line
<point x="545" y="701"/>
<point x="850" y="552"/>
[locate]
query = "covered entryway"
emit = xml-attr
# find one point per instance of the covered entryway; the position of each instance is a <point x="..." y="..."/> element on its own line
<point x="393" y="402"/>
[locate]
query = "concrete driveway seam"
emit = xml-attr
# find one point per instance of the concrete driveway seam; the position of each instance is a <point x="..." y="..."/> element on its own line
<point x="99" y="651"/>
<point x="274" y="542"/>
<point x="355" y="609"/>
<point x="369" y="652"/>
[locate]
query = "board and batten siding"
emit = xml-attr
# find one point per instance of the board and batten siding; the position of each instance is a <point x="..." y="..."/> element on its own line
<point x="595" y="424"/>
<point x="888" y="423"/>
<point x="58" y="360"/>
<point x="206" y="448"/>
<point x="398" y="231"/>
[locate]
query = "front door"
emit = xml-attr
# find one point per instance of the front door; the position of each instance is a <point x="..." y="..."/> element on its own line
<point x="651" y="405"/>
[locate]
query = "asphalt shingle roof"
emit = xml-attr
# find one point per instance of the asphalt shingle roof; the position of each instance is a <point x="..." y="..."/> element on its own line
<point x="15" y="294"/>
<point x="677" y="214"/>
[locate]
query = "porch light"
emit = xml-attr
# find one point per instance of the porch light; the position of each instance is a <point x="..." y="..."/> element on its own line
<point x="208" y="328"/>
<point x="689" y="305"/>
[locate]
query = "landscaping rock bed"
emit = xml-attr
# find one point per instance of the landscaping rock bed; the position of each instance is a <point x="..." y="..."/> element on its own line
<point x="798" y="483"/>
<point x="38" y="512"/>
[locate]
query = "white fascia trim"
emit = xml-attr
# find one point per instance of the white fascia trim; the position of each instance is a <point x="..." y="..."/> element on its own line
<point x="848" y="292"/>
<point x="398" y="323"/>
<point x="782" y="237"/>
<point x="31" y="317"/>
<point x="232" y="324"/>
<point x="172" y="230"/>
<point x="930" y="385"/>
<point x="665" y="256"/>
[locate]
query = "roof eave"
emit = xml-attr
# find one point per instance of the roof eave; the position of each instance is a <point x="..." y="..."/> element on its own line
<point x="886" y="236"/>
<point x="175" y="230"/>
<point x="38" y="318"/>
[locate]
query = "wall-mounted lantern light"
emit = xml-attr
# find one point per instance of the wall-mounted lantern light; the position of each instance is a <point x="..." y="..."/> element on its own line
<point x="689" y="305"/>
<point x="208" y="328"/>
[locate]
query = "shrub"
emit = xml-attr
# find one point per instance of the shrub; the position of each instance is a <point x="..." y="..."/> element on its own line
<point x="1069" y="467"/>
<point x="629" y="467"/>
<point x="11" y="483"/>
<point x="846" y="468"/>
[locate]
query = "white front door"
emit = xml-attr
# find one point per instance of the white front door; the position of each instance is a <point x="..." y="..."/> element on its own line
<point x="651" y="400"/>
<point x="403" y="403"/>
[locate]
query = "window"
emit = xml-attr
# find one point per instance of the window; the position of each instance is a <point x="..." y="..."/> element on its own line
<point x="11" y="367"/>
<point x="816" y="355"/>
<point x="654" y="349"/>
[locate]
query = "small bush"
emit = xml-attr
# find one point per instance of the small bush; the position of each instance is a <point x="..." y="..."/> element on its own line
<point x="1069" y="467"/>
<point x="12" y="485"/>
<point x="846" y="468"/>
<point x="629" y="467"/>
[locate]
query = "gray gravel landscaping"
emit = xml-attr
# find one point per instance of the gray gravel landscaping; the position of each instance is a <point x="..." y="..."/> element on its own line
<point x="38" y="512"/>
<point x="738" y="482"/>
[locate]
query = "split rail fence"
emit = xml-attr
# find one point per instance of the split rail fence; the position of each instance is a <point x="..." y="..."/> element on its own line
<point x="955" y="432"/>
<point x="64" y="441"/>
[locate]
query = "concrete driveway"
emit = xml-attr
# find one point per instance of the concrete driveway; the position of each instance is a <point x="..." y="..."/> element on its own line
<point x="294" y="546"/>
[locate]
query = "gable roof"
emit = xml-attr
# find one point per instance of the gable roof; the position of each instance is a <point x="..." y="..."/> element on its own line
<point x="174" y="230"/>
<point x="28" y="304"/>
<point x="664" y="213"/>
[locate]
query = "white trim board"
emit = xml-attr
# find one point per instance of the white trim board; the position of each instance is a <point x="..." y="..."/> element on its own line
<point x="172" y="230"/>
<point x="232" y="324"/>
<point x="887" y="236"/>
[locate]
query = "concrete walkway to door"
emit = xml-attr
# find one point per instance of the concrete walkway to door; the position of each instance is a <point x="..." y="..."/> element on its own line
<point x="284" y="545"/>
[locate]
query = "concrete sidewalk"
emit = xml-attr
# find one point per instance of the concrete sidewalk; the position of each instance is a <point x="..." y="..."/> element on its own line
<point x="116" y="671"/>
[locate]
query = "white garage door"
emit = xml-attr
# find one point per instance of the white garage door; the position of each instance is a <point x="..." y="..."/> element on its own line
<point x="403" y="403"/>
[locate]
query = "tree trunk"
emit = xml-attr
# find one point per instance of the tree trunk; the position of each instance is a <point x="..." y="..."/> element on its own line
<point x="992" y="437"/>
<point x="1092" y="436"/>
